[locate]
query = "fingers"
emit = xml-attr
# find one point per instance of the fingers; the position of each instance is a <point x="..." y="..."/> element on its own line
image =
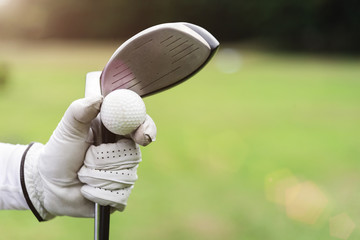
<point x="117" y="199"/>
<point x="143" y="135"/>
<point x="146" y="133"/>
<point x="123" y="154"/>
<point x="109" y="172"/>
<point x="108" y="179"/>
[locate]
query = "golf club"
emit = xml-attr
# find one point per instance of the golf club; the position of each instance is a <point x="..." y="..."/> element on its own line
<point x="153" y="60"/>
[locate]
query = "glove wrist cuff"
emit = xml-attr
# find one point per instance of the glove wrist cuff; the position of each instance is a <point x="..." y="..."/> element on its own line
<point x="31" y="182"/>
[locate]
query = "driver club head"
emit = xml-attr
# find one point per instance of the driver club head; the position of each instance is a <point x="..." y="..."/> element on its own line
<point x="153" y="60"/>
<point x="158" y="58"/>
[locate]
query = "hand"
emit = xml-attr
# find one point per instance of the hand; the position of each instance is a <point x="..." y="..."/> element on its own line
<point x="51" y="171"/>
<point x="109" y="170"/>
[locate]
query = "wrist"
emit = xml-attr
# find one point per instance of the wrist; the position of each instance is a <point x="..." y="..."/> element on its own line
<point x="11" y="196"/>
<point x="31" y="182"/>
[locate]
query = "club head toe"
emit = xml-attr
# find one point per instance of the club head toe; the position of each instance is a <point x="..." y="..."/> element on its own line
<point x="208" y="37"/>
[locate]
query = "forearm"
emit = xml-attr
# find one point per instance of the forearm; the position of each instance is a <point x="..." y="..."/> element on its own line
<point x="11" y="194"/>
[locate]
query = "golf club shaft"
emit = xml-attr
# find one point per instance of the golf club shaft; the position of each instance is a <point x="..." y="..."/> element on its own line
<point x="102" y="213"/>
<point x="102" y="222"/>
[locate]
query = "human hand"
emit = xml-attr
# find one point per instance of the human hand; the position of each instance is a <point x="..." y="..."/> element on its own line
<point x="50" y="172"/>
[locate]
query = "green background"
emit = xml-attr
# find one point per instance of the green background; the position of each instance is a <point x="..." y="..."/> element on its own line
<point x="278" y="116"/>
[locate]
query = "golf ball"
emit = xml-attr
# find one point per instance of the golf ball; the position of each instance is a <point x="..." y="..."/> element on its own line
<point x="122" y="111"/>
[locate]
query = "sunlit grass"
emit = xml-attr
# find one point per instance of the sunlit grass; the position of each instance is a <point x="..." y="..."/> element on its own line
<point x="219" y="137"/>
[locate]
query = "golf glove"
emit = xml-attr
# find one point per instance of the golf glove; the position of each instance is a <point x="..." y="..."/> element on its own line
<point x="68" y="174"/>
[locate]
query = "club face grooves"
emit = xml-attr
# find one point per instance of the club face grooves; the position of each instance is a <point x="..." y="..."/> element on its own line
<point x="157" y="59"/>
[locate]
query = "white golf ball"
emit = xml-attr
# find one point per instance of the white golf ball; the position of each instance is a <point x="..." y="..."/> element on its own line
<point x="122" y="111"/>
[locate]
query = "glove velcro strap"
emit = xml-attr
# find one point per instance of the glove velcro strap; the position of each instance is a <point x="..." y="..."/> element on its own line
<point x="30" y="183"/>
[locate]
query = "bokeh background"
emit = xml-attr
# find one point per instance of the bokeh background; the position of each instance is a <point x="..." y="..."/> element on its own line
<point x="262" y="144"/>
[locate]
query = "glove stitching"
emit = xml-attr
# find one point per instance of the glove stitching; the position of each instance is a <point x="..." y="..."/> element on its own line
<point x="116" y="191"/>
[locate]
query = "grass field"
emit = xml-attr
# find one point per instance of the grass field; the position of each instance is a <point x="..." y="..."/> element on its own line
<point x="270" y="151"/>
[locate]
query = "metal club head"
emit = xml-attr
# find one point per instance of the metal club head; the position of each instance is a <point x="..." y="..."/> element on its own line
<point x="153" y="60"/>
<point x="158" y="58"/>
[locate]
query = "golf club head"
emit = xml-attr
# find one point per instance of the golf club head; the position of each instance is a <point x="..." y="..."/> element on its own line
<point x="158" y="58"/>
<point x="153" y="60"/>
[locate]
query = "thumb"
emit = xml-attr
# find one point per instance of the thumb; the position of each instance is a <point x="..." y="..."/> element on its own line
<point x="67" y="146"/>
<point x="77" y="119"/>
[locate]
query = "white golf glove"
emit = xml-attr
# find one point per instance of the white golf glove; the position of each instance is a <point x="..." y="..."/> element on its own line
<point x="51" y="180"/>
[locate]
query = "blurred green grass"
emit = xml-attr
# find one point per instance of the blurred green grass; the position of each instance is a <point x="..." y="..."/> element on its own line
<point x="219" y="136"/>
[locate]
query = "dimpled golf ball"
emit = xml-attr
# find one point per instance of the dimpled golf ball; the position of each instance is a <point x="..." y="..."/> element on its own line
<point x="122" y="111"/>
